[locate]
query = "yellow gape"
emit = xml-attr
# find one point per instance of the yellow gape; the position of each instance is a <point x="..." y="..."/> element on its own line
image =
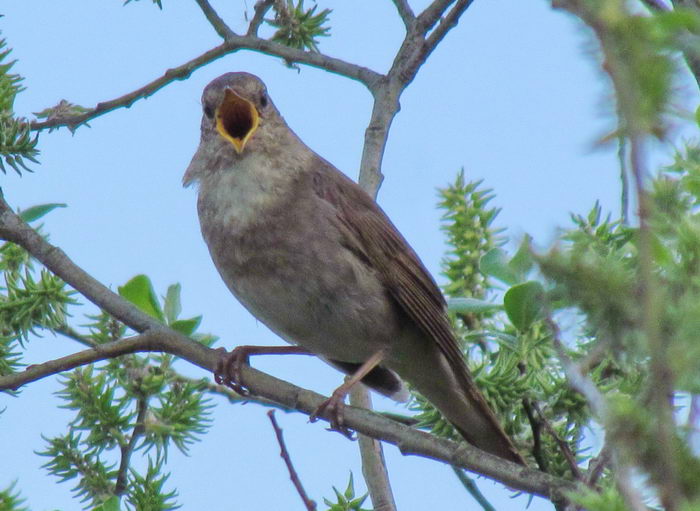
<point x="236" y="119"/>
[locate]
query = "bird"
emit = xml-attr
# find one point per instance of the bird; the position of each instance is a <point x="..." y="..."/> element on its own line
<point x="312" y="256"/>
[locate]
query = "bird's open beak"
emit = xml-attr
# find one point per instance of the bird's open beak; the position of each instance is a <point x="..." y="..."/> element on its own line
<point x="236" y="119"/>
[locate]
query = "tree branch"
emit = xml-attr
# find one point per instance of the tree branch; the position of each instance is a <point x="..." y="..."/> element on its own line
<point x="446" y="24"/>
<point x="159" y="338"/>
<point x="128" y="449"/>
<point x="261" y="7"/>
<point x="409" y="440"/>
<point x="233" y="44"/>
<point x="430" y="16"/>
<point x="581" y="383"/>
<point x="373" y="463"/>
<point x="405" y="12"/>
<point x="563" y="446"/>
<point x="215" y="20"/>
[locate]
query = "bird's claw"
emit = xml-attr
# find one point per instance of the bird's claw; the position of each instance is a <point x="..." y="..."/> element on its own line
<point x="334" y="409"/>
<point x="228" y="369"/>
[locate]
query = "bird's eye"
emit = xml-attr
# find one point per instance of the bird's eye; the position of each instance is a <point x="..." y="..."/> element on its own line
<point x="263" y="100"/>
<point x="209" y="111"/>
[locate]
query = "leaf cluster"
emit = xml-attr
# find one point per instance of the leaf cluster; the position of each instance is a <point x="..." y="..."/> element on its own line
<point x="129" y="404"/>
<point x="16" y="141"/>
<point x="298" y="27"/>
<point x="10" y="500"/>
<point x="31" y="299"/>
<point x="347" y="500"/>
<point x="504" y="339"/>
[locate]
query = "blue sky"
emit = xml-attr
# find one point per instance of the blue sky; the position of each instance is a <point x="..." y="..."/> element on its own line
<point x="512" y="96"/>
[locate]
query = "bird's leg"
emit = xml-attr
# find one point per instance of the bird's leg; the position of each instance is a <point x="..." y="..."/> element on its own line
<point x="228" y="367"/>
<point x="333" y="407"/>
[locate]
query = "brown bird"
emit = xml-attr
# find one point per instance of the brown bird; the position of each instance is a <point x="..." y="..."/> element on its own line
<point x="313" y="256"/>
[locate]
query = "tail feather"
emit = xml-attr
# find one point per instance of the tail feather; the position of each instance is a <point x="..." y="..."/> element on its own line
<point x="453" y="392"/>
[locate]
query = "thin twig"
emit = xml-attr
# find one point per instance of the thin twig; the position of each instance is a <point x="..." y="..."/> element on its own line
<point x="446" y="24"/>
<point x="427" y="19"/>
<point x="596" y="401"/>
<point x="261" y="7"/>
<point x="405" y="12"/>
<point x="71" y="333"/>
<point x="577" y="379"/>
<point x="373" y="463"/>
<point x="536" y="427"/>
<point x="597" y="465"/>
<point x="563" y="445"/>
<point x="284" y="453"/>
<point x="215" y="20"/>
<point x="473" y="489"/>
<point x="128" y="449"/>
<point x="595" y="356"/>
<point x="660" y="374"/>
<point x="624" y="183"/>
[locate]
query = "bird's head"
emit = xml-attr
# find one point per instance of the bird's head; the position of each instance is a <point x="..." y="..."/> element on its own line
<point x="235" y="107"/>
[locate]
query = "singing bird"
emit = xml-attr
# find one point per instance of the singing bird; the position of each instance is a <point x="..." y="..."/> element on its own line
<point x="313" y="257"/>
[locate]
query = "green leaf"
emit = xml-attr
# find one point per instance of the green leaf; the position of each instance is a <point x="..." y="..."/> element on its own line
<point x="697" y="116"/>
<point x="523" y="304"/>
<point x="36" y="212"/>
<point x="111" y="504"/>
<point x="495" y="264"/>
<point x="186" y="326"/>
<point x="471" y="305"/>
<point x="171" y="304"/>
<point x="522" y="261"/>
<point x="139" y="291"/>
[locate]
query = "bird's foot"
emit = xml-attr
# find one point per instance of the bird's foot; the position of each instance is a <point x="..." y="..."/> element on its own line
<point x="333" y="409"/>
<point x="228" y="368"/>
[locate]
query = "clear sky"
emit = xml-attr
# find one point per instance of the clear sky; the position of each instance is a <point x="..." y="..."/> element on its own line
<point x="512" y="95"/>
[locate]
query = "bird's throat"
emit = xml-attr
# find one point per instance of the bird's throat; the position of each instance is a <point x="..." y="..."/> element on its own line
<point x="237" y="119"/>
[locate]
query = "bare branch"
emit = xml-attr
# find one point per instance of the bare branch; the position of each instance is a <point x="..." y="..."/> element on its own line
<point x="219" y="24"/>
<point x="430" y="16"/>
<point x="407" y="439"/>
<point x="284" y="453"/>
<point x="597" y="465"/>
<point x="405" y="12"/>
<point x="261" y="7"/>
<point x="128" y="449"/>
<point x="563" y="446"/>
<point x="536" y="427"/>
<point x="235" y="43"/>
<point x="385" y="108"/>
<point x="411" y="56"/>
<point x="147" y="342"/>
<point x="71" y="333"/>
<point x="596" y="401"/>
<point x="373" y="463"/>
<point x="446" y="24"/>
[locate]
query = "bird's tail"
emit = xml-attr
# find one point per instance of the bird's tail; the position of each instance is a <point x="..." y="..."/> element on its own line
<point x="453" y="391"/>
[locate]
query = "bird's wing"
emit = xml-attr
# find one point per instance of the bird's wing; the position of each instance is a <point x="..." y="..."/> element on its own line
<point x="371" y="235"/>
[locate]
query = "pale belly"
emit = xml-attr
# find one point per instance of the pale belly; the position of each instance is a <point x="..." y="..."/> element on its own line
<point x="323" y="299"/>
